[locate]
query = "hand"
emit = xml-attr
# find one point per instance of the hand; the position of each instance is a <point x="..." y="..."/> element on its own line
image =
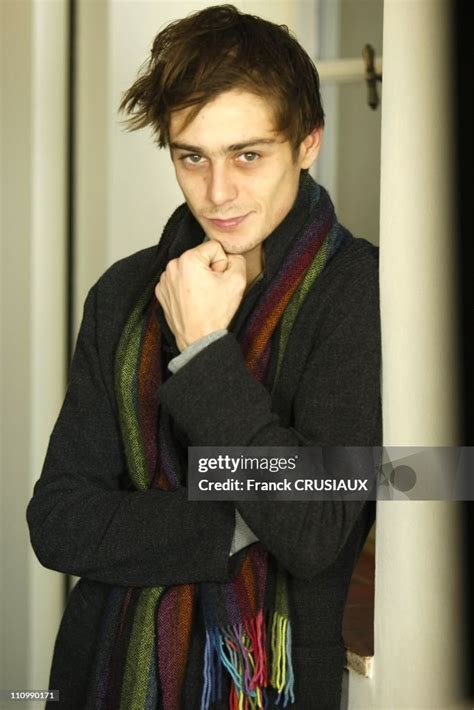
<point x="201" y="291"/>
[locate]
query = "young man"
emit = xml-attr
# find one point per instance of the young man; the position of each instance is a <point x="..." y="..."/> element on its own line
<point x="255" y="322"/>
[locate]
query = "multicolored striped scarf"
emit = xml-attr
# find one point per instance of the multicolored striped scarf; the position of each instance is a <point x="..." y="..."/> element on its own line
<point x="146" y="634"/>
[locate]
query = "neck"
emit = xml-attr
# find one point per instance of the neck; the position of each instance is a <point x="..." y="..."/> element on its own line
<point x="254" y="261"/>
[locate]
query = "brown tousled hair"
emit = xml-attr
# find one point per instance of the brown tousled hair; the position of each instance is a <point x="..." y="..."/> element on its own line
<point x="217" y="49"/>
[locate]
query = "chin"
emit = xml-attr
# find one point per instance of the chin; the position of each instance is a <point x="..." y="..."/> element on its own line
<point x="234" y="248"/>
<point x="237" y="245"/>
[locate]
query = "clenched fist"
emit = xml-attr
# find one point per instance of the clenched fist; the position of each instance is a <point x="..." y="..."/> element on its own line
<point x="201" y="291"/>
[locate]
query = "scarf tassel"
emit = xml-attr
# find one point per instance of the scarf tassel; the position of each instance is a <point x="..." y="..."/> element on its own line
<point x="241" y="650"/>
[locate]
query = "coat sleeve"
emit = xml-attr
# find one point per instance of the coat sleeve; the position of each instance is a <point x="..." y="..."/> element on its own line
<point x="84" y="522"/>
<point x="337" y="403"/>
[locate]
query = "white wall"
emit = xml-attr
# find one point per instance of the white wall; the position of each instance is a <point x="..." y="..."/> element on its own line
<point x="32" y="229"/>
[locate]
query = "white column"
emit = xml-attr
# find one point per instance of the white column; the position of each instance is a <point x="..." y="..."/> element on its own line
<point x="33" y="61"/>
<point x="418" y="614"/>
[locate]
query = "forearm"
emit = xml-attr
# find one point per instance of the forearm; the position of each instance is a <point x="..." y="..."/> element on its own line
<point x="231" y="408"/>
<point x="139" y="538"/>
<point x="84" y="518"/>
<point x="242" y="536"/>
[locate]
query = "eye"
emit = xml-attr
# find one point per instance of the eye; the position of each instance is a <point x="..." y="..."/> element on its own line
<point x="192" y="159"/>
<point x="249" y="157"/>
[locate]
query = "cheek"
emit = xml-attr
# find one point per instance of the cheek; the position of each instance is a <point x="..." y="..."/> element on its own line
<point x="280" y="186"/>
<point x="283" y="192"/>
<point x="264" y="189"/>
<point x="190" y="185"/>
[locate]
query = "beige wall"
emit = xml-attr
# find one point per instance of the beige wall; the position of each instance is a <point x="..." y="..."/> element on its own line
<point x="32" y="144"/>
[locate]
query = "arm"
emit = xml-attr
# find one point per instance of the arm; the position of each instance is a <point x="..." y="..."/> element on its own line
<point x="81" y="519"/>
<point x="337" y="402"/>
<point x="243" y="536"/>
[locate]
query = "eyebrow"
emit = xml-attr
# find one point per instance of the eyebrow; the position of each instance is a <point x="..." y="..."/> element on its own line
<point x="230" y="149"/>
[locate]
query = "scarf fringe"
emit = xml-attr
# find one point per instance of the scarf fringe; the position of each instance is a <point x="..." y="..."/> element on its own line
<point x="241" y="649"/>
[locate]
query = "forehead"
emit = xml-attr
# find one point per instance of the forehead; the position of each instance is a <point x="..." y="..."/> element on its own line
<point x="232" y="117"/>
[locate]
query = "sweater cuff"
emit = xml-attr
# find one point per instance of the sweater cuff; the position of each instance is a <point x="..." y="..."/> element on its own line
<point x="188" y="353"/>
<point x="243" y="536"/>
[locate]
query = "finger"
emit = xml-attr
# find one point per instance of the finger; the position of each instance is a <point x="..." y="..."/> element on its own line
<point x="220" y="265"/>
<point x="236" y="264"/>
<point x="171" y="268"/>
<point x="162" y="282"/>
<point x="160" y="290"/>
<point x="211" y="252"/>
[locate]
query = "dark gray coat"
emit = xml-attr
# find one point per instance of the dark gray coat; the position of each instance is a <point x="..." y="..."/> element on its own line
<point x="85" y="520"/>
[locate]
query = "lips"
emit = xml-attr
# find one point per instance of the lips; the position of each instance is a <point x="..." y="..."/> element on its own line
<point x="230" y="223"/>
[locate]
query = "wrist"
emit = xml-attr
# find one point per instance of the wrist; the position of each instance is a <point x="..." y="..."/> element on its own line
<point x="188" y="353"/>
<point x="190" y="339"/>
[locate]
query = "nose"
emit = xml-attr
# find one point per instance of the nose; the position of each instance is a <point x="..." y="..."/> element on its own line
<point x="221" y="186"/>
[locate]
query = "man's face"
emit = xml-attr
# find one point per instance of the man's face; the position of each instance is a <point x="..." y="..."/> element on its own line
<point x="239" y="176"/>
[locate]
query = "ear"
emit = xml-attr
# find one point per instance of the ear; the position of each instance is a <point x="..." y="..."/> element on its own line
<point x="309" y="148"/>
